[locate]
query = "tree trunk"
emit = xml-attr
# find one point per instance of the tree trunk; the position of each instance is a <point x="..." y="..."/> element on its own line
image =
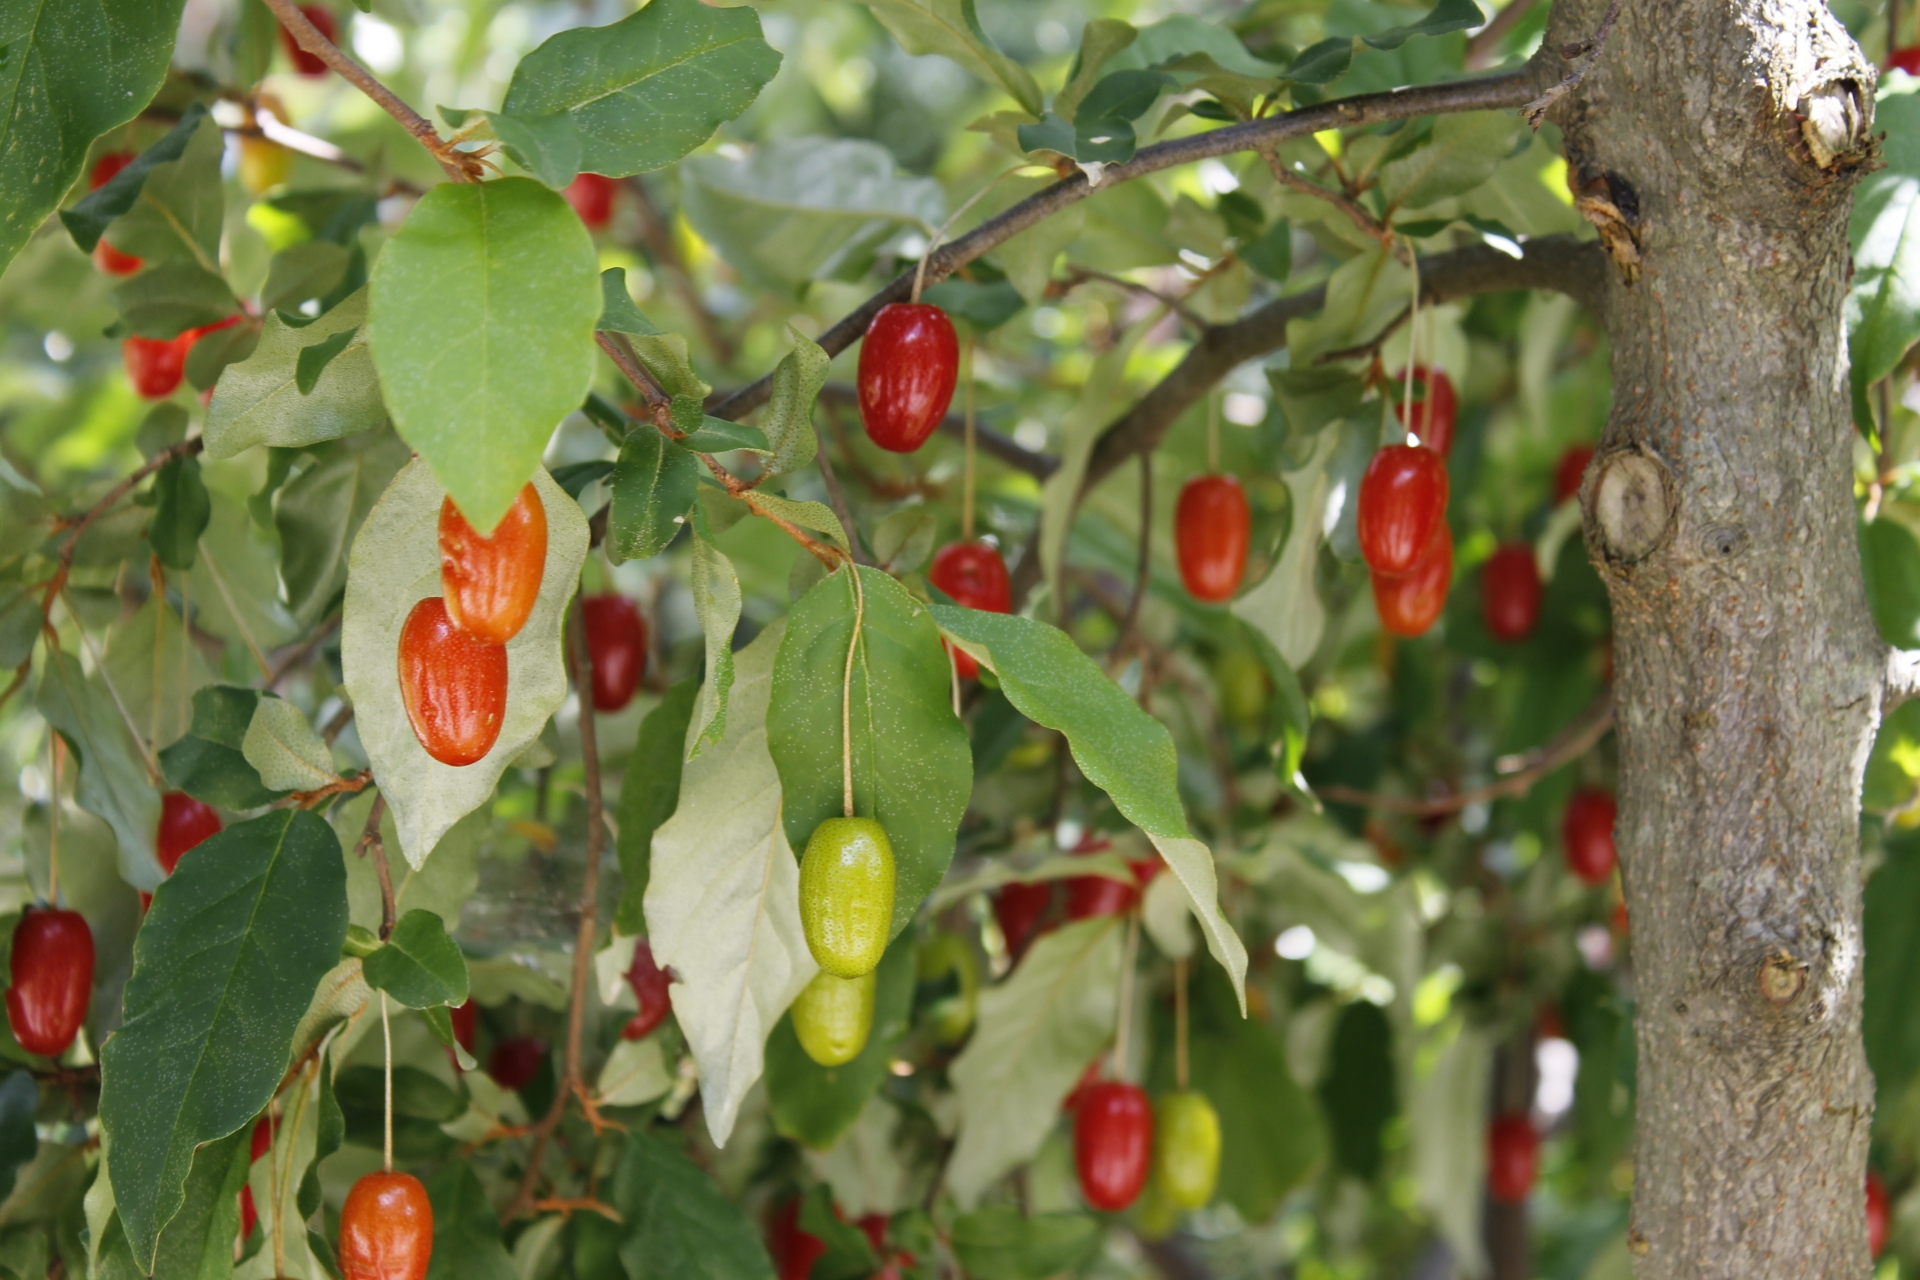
<point x="1716" y="142"/>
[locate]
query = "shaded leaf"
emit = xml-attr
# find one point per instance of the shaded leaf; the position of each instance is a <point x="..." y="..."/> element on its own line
<point x="1448" y="15"/>
<point x="19" y="1099"/>
<point x="320" y="511"/>
<point x="94" y="212"/>
<point x="788" y="421"/>
<point x="952" y="29"/>
<point x="1890" y="564"/>
<point x="680" y="1226"/>
<point x="169" y="298"/>
<point x="181" y="510"/>
<point x="466" y="1229"/>
<point x="649" y="793"/>
<point x="419" y="965"/>
<point x="546" y="146"/>
<point x="282" y="746"/>
<point x="208" y="763"/>
<point x="653" y="485"/>
<point x="260" y="400"/>
<point x="618" y="313"/>
<point x="114" y="784"/>
<point x="302" y="272"/>
<point x="998" y="1243"/>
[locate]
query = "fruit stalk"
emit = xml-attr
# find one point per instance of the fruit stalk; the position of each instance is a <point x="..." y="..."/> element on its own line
<point x="846" y="694"/>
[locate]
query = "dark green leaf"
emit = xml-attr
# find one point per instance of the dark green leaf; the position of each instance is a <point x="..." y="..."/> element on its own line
<point x="319" y="513"/>
<point x="1050" y="134"/>
<point x="419" y="966"/>
<point x="1890" y="1012"/>
<point x="1448" y="15"/>
<point x="575" y="477"/>
<point x="548" y="147"/>
<point x="210" y="356"/>
<point x="788" y="421"/>
<point x="19" y="1098"/>
<point x="181" y="510"/>
<point x="417" y="1095"/>
<point x="717" y="435"/>
<point x="618" y="314"/>
<point x="224" y="967"/>
<point x="848" y="1254"/>
<point x="649" y="793"/>
<point x="200" y="1237"/>
<point x="1890" y="562"/>
<point x="654" y="483"/>
<point x="181" y="207"/>
<point x="1883" y="303"/>
<point x="207" y="764"/>
<point x="1271" y="253"/>
<point x="466" y="1230"/>
<point x="1322" y="63"/>
<point x="303" y="272"/>
<point x="329" y="1133"/>
<point x="1893" y="770"/>
<point x="1359" y="1091"/>
<point x="680" y="1226"/>
<point x="1311" y="398"/>
<point x="114" y="783"/>
<point x="814" y="1105"/>
<point x="999" y="1244"/>
<point x="166" y="300"/>
<point x="20" y="620"/>
<point x="912" y="770"/>
<point x="1243" y="215"/>
<point x="1121" y="95"/>
<point x="984" y="306"/>
<point x="89" y="218"/>
<point x="313" y="360"/>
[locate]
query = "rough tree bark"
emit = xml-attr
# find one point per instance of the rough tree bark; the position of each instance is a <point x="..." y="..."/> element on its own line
<point x="1716" y="142"/>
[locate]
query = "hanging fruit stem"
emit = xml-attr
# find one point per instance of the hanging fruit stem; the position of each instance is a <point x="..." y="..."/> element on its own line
<point x="386" y="1037"/>
<point x="920" y="272"/>
<point x="1413" y="340"/>
<point x="1180" y="1023"/>
<point x="1213" y="434"/>
<point x="1127" y="957"/>
<point x="846" y="692"/>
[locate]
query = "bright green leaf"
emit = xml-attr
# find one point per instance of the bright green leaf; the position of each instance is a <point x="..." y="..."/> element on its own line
<point x="260" y="400"/>
<point x="618" y="314"/>
<point x="419" y="966"/>
<point x="788" y="421"/>
<point x="548" y="146"/>
<point x="952" y="29"/>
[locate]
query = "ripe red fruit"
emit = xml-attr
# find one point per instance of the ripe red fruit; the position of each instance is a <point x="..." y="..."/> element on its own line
<point x="1510" y="592"/>
<point x="1907" y="59"/>
<point x="649" y="982"/>
<point x="258" y="1146"/>
<point x="1513" y="1157"/>
<point x="1588" y="834"/>
<point x="592" y="198"/>
<point x="1879" y="1214"/>
<point x="794" y="1251"/>
<point x="617" y="642"/>
<point x="184" y="823"/>
<point x="52" y="979"/>
<point x="307" y="64"/>
<point x="155" y="366"/>
<point x="975" y="576"/>
<point x="1019" y="908"/>
<point x="1410" y="603"/>
<point x="1434" y="412"/>
<point x="516" y="1061"/>
<point x="454" y="686"/>
<point x="492" y="580"/>
<point x="105" y="256"/>
<point x="1403" y="507"/>
<point x="1113" y="1144"/>
<point x="386" y="1228"/>
<point x="1572" y="468"/>
<point x="909" y="363"/>
<point x="1089" y="1077"/>
<point x="1211" y="527"/>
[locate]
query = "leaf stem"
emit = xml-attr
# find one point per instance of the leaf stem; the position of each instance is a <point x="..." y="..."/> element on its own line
<point x="846" y="693"/>
<point x="1127" y="958"/>
<point x="386" y="1039"/>
<point x="1180" y="1023"/>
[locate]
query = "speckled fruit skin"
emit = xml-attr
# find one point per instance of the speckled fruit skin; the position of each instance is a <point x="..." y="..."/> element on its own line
<point x="1412" y="602"/>
<point x="1434" y="413"/>
<point x="1403" y="507"/>
<point x="1186" y="1149"/>
<point x="454" y="686"/>
<point x="833" y="1016"/>
<point x="52" y="966"/>
<point x="1510" y="593"/>
<point x="976" y="577"/>
<point x="909" y="363"/>
<point x="617" y="643"/>
<point x="1513" y="1158"/>
<point x="386" y="1229"/>
<point x="1587" y="832"/>
<point x="1113" y="1144"/>
<point x="1211" y="528"/>
<point x="491" y="581"/>
<point x="846" y="895"/>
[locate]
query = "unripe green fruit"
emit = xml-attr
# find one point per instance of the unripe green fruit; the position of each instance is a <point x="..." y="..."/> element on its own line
<point x="951" y="1015"/>
<point x="846" y="895"/>
<point x="1186" y="1149"/>
<point x="832" y="1016"/>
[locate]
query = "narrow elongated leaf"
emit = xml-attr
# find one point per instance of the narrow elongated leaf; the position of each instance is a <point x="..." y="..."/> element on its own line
<point x="1448" y="15"/>
<point x="181" y="510"/>
<point x="815" y="1105"/>
<point x="788" y="422"/>
<point x="723" y="898"/>
<point x="181" y="207"/>
<point x="952" y="29"/>
<point x="466" y="1230"/>
<point x="260" y="400"/>
<point x="654" y="482"/>
<point x="224" y="966"/>
<point x="419" y="965"/>
<point x="680" y="1226"/>
<point x="114" y="784"/>
<point x="1285" y="607"/>
<point x="283" y="747"/>
<point x="480" y="318"/>
<point x="649" y="793"/>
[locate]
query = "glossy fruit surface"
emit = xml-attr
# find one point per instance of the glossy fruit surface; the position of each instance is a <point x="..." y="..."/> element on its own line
<point x="491" y="580"/>
<point x="592" y="198"/>
<point x="846" y="895"/>
<point x="1879" y="1214"/>
<point x="107" y="258"/>
<point x="1571" y="470"/>
<point x="617" y="641"/>
<point x="52" y="969"/>
<point x="1186" y="1149"/>
<point x="649" y="982"/>
<point x="833" y="1016"/>
<point x="386" y="1229"/>
<point x="263" y="165"/>
<point x="1403" y="507"/>
<point x="976" y="577"/>
<point x="1587" y="831"/>
<point x="155" y="366"/>
<point x="1409" y="604"/>
<point x="1211" y="526"/>
<point x="516" y="1060"/>
<point x="184" y="823"/>
<point x="1089" y="1077"/>
<point x="1513" y="1157"/>
<point x="794" y="1251"/>
<point x="1510" y="592"/>
<point x="1113" y="1144"/>
<point x="307" y="64"/>
<point x="1436" y="407"/>
<point x="909" y="363"/>
<point x="1019" y="908"/>
<point x="454" y="686"/>
<point x="1089" y="897"/>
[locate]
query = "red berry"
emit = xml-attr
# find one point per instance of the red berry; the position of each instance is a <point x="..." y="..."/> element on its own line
<point x="1019" y="908"/>
<point x="52" y="979"/>
<point x="1879" y="1207"/>
<point x="592" y="198"/>
<point x="386" y="1228"/>
<point x="650" y="983"/>
<point x="1403" y="507"/>
<point x="1089" y="897"/>
<point x="492" y="580"/>
<point x="184" y="823"/>
<point x="1113" y="1144"/>
<point x="307" y="64"/>
<point x="1513" y="1158"/>
<point x="107" y="258"/>
<point x="1410" y="603"/>
<point x="1211" y="527"/>
<point x="259" y="1145"/>
<point x="155" y="366"/>
<point x="909" y="363"/>
<point x="1510" y="592"/>
<point x="1435" y="409"/>
<point x="976" y="577"/>
<point x="794" y="1251"/>
<point x="466" y="1022"/>
<point x="1572" y="468"/>
<point x="875" y="1225"/>
<point x="454" y="686"/>
<point x="1089" y="1077"/>
<point x="1907" y="59"/>
<point x="516" y="1061"/>
<point x="1588" y="834"/>
<point x="617" y="641"/>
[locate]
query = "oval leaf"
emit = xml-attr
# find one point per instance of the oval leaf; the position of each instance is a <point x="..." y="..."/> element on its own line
<point x="419" y="966"/>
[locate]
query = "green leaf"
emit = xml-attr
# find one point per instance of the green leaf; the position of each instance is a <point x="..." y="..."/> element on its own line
<point x="394" y="564"/>
<point x="1883" y="304"/>
<point x="666" y="358"/>
<point x="89" y="218"/>
<point x="716" y="601"/>
<point x="903" y="541"/>
<point x="680" y="1226"/>
<point x="815" y="1105"/>
<point x="442" y="886"/>
<point x="984" y="306"/>
<point x="283" y="747"/>
<point x="419" y="966"/>
<point x="320" y="510"/>
<point x="1285" y="606"/>
<point x="210" y="355"/>
<point x="169" y="298"/>
<point x="481" y="324"/>
<point x="199" y="1239"/>
<point x="1311" y="398"/>
<point x="74" y="71"/>
<point x="261" y="400"/>
<point x="1448" y="15"/>
<point x="180" y="208"/>
<point x="1321" y="63"/>
<point x="547" y="146"/>
<point x="951" y="28"/>
<point x="998" y="1243"/>
<point x="1463" y="152"/>
<point x="224" y="966"/>
<point x="208" y="763"/>
<point x="114" y="783"/>
<point x="635" y="1074"/>
<point x="816" y="516"/>
<point x="466" y="1230"/>
<point x="653" y="485"/>
<point x="717" y="435"/>
<point x="1100" y="40"/>
<point x="20" y="620"/>
<point x="912" y="768"/>
<point x="800" y="209"/>
<point x="303" y="272"/>
<point x="650" y="88"/>
<point x="1890" y="563"/>
<point x="723" y="897"/>
<point x="574" y="477"/>
<point x="1358" y="1093"/>
<point x="649" y="793"/>
<point x="788" y="421"/>
<point x="1034" y="1035"/>
<point x="848" y="1254"/>
<point x="618" y="314"/>
<point x="181" y="510"/>
<point x="19" y="1099"/>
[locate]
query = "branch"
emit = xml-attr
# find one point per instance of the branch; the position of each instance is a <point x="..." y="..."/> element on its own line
<point x="370" y="841"/>
<point x="1077" y="274"/>
<point x="1503" y="91"/>
<point x="1355" y="212"/>
<point x="299" y="656"/>
<point x="1583" y="54"/>
<point x="621" y="352"/>
<point x="77" y="525"/>
<point x="997" y="443"/>
<point x="1481" y="47"/>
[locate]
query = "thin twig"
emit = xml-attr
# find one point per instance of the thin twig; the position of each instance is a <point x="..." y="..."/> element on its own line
<point x="337" y="723"/>
<point x="1078" y="274"/>
<point x="299" y="656"/>
<point x="1355" y="212"/>
<point x="1481" y="47"/>
<point x="370" y="842"/>
<point x="78" y="525"/>
<point x="659" y="403"/>
<point x="1583" y="54"/>
<point x="838" y="496"/>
